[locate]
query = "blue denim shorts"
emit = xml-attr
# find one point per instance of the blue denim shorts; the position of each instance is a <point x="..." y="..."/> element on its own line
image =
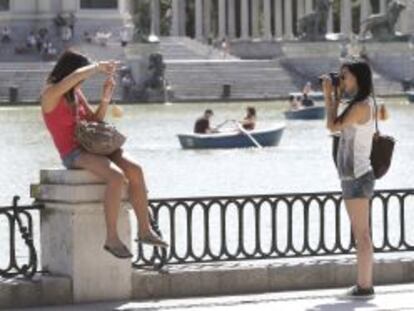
<point x="69" y="160"/>
<point x="359" y="188"/>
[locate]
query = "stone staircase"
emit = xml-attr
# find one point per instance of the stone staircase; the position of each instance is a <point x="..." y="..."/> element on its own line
<point x="184" y="48"/>
<point x="249" y="79"/>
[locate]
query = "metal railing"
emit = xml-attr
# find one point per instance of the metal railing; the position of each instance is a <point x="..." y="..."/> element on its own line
<point x="233" y="228"/>
<point x="19" y="220"/>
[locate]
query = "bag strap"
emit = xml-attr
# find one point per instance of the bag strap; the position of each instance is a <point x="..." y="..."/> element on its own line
<point x="375" y="111"/>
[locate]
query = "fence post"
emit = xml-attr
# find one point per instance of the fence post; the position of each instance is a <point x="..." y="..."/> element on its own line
<point x="73" y="233"/>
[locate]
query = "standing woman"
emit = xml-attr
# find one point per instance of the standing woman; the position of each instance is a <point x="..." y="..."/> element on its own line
<point x="356" y="126"/>
<point x="61" y="99"/>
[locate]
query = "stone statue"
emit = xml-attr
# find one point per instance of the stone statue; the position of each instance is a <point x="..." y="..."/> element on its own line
<point x="382" y="26"/>
<point x="156" y="68"/>
<point x="313" y="26"/>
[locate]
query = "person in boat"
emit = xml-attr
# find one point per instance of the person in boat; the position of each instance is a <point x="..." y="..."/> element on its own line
<point x="249" y="121"/>
<point x="306" y="100"/>
<point x="202" y="125"/>
<point x="294" y="103"/>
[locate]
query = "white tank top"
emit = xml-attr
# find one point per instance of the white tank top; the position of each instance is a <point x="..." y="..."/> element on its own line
<point x="355" y="145"/>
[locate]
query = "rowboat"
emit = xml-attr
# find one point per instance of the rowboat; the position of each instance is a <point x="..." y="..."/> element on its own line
<point x="307" y="113"/>
<point x="235" y="139"/>
<point x="410" y="96"/>
<point x="316" y="96"/>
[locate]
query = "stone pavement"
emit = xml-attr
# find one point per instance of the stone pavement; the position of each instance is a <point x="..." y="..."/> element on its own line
<point x="396" y="297"/>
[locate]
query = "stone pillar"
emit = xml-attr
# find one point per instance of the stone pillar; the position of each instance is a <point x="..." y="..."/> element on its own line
<point x="267" y="11"/>
<point x="222" y="19"/>
<point x="199" y="19"/>
<point x="72" y="231"/>
<point x="244" y="19"/>
<point x="175" y="24"/>
<point x="300" y="6"/>
<point x="207" y="18"/>
<point x="330" y="21"/>
<point x="278" y="19"/>
<point x="365" y="10"/>
<point x="231" y="9"/>
<point x="44" y="6"/>
<point x="308" y="6"/>
<point x="255" y="11"/>
<point x="383" y="6"/>
<point x="182" y="18"/>
<point x="346" y="17"/>
<point x="288" y="20"/>
<point x="69" y="6"/>
<point x="155" y="17"/>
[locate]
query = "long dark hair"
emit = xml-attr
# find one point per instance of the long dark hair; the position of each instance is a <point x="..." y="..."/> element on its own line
<point x="67" y="63"/>
<point x="362" y="72"/>
<point x="251" y="111"/>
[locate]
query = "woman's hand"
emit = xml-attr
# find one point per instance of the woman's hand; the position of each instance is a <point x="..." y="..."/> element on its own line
<point x="327" y="86"/>
<point x="107" y="67"/>
<point x="108" y="89"/>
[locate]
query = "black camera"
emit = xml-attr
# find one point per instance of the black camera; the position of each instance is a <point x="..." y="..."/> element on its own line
<point x="334" y="76"/>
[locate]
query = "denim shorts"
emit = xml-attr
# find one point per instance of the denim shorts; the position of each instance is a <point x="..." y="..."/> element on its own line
<point x="359" y="188"/>
<point x="69" y="160"/>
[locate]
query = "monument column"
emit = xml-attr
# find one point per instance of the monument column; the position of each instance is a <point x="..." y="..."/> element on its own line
<point x="244" y="19"/>
<point x="255" y="8"/>
<point x="207" y="18"/>
<point x="231" y="9"/>
<point x="175" y="25"/>
<point x="199" y="19"/>
<point x="222" y="18"/>
<point x="346" y="17"/>
<point x="278" y="19"/>
<point x="308" y="6"/>
<point x="383" y="6"/>
<point x="155" y="17"/>
<point x="267" y="10"/>
<point x="330" y="21"/>
<point x="288" y="20"/>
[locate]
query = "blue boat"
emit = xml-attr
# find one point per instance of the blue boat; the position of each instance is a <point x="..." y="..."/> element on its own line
<point x="410" y="96"/>
<point x="307" y="113"/>
<point x="316" y="96"/>
<point x="235" y="139"/>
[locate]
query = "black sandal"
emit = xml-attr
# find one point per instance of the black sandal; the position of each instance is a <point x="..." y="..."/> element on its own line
<point x="121" y="252"/>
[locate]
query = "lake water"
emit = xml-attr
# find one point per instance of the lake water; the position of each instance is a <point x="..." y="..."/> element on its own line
<point x="302" y="162"/>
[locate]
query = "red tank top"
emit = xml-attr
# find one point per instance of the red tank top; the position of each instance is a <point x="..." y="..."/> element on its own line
<point x="61" y="123"/>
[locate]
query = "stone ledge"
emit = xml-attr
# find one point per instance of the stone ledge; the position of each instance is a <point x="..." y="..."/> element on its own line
<point x="68" y="177"/>
<point x="74" y="194"/>
<point x="41" y="291"/>
<point x="266" y="276"/>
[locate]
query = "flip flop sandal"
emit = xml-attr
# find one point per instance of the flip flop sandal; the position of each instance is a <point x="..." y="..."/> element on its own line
<point x="153" y="240"/>
<point x="121" y="252"/>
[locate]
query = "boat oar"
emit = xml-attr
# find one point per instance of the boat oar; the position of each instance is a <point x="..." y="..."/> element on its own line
<point x="254" y="141"/>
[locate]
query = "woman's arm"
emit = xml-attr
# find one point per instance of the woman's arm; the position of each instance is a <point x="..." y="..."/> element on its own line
<point x="53" y="92"/>
<point x="99" y="113"/>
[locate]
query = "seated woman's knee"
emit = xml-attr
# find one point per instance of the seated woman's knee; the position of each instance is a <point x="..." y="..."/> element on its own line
<point x="134" y="172"/>
<point x="116" y="176"/>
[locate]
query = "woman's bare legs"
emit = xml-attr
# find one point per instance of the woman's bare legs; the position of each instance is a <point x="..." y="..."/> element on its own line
<point x="358" y="211"/>
<point x="137" y="193"/>
<point x="114" y="177"/>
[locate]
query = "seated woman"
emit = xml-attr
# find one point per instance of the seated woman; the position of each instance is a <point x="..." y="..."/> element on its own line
<point x="63" y="103"/>
<point x="249" y="121"/>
